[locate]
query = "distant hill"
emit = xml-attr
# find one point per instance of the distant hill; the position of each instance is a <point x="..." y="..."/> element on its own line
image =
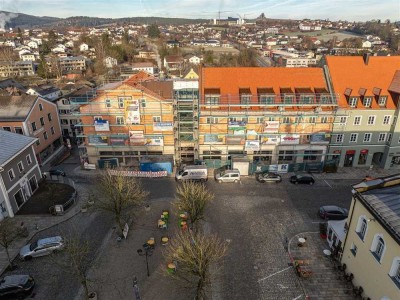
<point x="29" y="21"/>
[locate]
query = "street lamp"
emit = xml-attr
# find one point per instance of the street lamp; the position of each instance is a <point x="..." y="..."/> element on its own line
<point x="148" y="251"/>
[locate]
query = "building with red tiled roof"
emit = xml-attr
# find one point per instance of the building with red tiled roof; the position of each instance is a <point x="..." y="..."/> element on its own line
<point x="267" y="115"/>
<point x="367" y="131"/>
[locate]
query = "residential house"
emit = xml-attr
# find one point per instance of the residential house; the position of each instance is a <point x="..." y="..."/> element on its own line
<point x="47" y="92"/>
<point x="173" y="62"/>
<point x="269" y="115"/>
<point x="173" y="44"/>
<point x="297" y="62"/>
<point x="128" y="121"/>
<point x="28" y="57"/>
<point x="110" y="62"/>
<point x="194" y="60"/>
<point x="19" y="172"/>
<point x="371" y="249"/>
<point x="17" y="69"/>
<point x="33" y="44"/>
<point x="35" y="117"/>
<point x="366" y="131"/>
<point x="83" y="47"/>
<point x="366" y="44"/>
<point x="146" y="67"/>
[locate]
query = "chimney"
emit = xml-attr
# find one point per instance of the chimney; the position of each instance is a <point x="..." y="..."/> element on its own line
<point x="366" y="58"/>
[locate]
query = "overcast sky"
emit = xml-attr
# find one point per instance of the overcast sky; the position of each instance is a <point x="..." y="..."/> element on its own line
<point x="351" y="10"/>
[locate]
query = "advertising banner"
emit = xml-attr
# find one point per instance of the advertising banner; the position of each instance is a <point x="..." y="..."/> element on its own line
<point x="163" y="126"/>
<point x="237" y="124"/>
<point x="253" y="145"/>
<point x="320" y="138"/>
<point x="132" y="113"/>
<point x="101" y="125"/>
<point x="154" y="141"/>
<point x="290" y="139"/>
<point x="271" y="126"/>
<point x="136" y="137"/>
<point x="97" y="139"/>
<point x="270" y="139"/>
<point x="282" y="168"/>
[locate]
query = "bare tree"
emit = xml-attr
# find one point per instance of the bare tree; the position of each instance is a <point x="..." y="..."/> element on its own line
<point x="192" y="198"/>
<point x="8" y="55"/>
<point x="193" y="255"/>
<point x="9" y="232"/>
<point x="121" y="195"/>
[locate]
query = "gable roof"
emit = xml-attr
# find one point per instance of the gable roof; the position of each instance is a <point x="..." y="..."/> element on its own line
<point x="11" y="144"/>
<point x="352" y="73"/>
<point x="16" y="108"/>
<point x="229" y="80"/>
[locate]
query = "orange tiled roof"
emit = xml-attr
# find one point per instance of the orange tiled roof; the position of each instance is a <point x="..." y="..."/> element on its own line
<point x="350" y="76"/>
<point x="229" y="80"/>
<point x="138" y="77"/>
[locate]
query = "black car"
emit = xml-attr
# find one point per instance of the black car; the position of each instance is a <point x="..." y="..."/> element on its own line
<point x="300" y="178"/>
<point x="16" y="286"/>
<point x="57" y="172"/>
<point x="269" y="177"/>
<point x="333" y="212"/>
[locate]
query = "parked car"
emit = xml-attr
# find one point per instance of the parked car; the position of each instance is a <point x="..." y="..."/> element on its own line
<point x="304" y="179"/>
<point x="16" y="286"/>
<point x="42" y="247"/>
<point x="228" y="176"/>
<point x="333" y="212"/>
<point x="57" y="172"/>
<point x="269" y="177"/>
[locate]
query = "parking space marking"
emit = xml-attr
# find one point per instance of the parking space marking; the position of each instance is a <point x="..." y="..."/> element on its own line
<point x="274" y="274"/>
<point x="298" y="297"/>
<point x="328" y="184"/>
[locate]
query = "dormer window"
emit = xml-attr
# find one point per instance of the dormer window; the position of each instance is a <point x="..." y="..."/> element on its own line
<point x="367" y="101"/>
<point x="382" y="101"/>
<point x="266" y="95"/>
<point x="353" y="101"/>
<point x="245" y="96"/>
<point x="212" y="96"/>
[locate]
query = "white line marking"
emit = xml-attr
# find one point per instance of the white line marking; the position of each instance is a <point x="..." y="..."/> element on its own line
<point x="298" y="297"/>
<point x="328" y="184"/>
<point x="275" y="273"/>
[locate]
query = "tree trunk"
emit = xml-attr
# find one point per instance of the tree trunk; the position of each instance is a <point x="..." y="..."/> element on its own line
<point x="119" y="223"/>
<point x="200" y="289"/>
<point x="86" y="288"/>
<point x="8" y="257"/>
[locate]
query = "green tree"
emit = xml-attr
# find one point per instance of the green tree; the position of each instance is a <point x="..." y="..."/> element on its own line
<point x="43" y="69"/>
<point x="153" y="31"/>
<point x="52" y="38"/>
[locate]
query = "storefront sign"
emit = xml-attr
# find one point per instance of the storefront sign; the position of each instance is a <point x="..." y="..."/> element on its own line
<point x="271" y="126"/>
<point x="132" y="112"/>
<point x="364" y="151"/>
<point x="283" y="168"/>
<point x="270" y="139"/>
<point x="163" y="126"/>
<point x="253" y="145"/>
<point x="101" y="125"/>
<point x="290" y="139"/>
<point x="320" y="138"/>
<point x="351" y="152"/>
<point x="155" y="141"/>
<point x="136" y="137"/>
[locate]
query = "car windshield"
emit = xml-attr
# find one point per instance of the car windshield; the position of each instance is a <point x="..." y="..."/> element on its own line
<point x="33" y="246"/>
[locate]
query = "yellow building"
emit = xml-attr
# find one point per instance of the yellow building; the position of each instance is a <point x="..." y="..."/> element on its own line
<point x="371" y="249"/>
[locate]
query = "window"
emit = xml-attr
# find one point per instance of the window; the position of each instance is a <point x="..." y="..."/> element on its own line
<point x="41" y="121"/>
<point x="18" y="130"/>
<point x="20" y="167"/>
<point x="265" y="99"/>
<point x="97" y="118"/>
<point x="371" y="120"/>
<point x="362" y="226"/>
<point x="367" y="137"/>
<point x="212" y="99"/>
<point x="353" y="101"/>
<point x="37" y="142"/>
<point x="382" y="137"/>
<point x="324" y="120"/>
<point x="45" y="135"/>
<point x="143" y="102"/>
<point x="357" y="120"/>
<point x="353" y="249"/>
<point x="245" y="99"/>
<point x="65" y="102"/>
<point x="270" y="118"/>
<point x="353" y="137"/>
<point x="367" y="101"/>
<point x="19" y="198"/>
<point x="40" y="106"/>
<point x="343" y="120"/>
<point x="120" y="120"/>
<point x="120" y="102"/>
<point x="33" y="126"/>
<point x="7" y="128"/>
<point x="260" y="120"/>
<point x="33" y="183"/>
<point x="339" y="138"/>
<point x="297" y="120"/>
<point x="49" y="117"/>
<point x="378" y="247"/>
<point x="28" y="159"/>
<point x="156" y="119"/>
<point x="108" y="103"/>
<point x="52" y="130"/>
<point x="11" y="174"/>
<point x="395" y="271"/>
<point x="285" y="120"/>
<point x="389" y="137"/>
<point x="64" y="122"/>
<point x="212" y="120"/>
<point x="386" y="120"/>
<point x="312" y="119"/>
<point x="382" y="100"/>
<point x="288" y="99"/>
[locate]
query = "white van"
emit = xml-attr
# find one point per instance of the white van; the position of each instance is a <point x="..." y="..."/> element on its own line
<point x="228" y="176"/>
<point x="193" y="173"/>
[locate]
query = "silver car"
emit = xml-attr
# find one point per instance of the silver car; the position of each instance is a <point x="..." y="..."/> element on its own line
<point x="42" y="247"/>
<point x="228" y="176"/>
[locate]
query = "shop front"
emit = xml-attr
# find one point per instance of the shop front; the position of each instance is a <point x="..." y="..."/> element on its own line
<point x="349" y="158"/>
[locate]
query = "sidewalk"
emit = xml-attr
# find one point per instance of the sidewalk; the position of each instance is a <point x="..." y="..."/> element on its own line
<point x="39" y="223"/>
